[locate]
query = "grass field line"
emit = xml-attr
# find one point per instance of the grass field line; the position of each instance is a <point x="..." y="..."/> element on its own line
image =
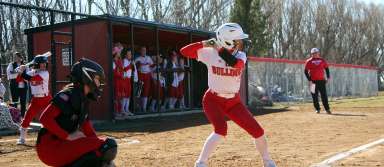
<point x="339" y="156"/>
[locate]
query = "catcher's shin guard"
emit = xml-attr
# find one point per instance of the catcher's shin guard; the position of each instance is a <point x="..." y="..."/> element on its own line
<point x="109" y="150"/>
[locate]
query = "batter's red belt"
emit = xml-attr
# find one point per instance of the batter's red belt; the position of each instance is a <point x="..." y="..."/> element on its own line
<point x="223" y="95"/>
<point x="40" y="95"/>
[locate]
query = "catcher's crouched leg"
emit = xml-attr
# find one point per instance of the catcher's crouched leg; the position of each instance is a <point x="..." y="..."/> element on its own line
<point x="103" y="157"/>
<point x="109" y="151"/>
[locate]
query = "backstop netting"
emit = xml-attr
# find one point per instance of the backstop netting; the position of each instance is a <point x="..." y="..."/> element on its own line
<point x="279" y="80"/>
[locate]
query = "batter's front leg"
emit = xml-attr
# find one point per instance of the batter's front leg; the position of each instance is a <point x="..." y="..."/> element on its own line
<point x="242" y="117"/>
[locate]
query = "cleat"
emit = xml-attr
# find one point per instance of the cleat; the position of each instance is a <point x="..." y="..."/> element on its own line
<point x="269" y="163"/>
<point x="20" y="141"/>
<point x="23" y="134"/>
<point x="328" y="111"/>
<point x="201" y="164"/>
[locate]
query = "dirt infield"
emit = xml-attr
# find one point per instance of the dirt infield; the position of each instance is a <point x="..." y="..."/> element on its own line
<point x="297" y="137"/>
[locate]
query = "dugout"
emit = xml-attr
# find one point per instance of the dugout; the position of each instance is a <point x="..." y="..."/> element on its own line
<point x="93" y="38"/>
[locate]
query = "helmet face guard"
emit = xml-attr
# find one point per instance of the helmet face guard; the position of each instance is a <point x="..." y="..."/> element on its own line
<point x="90" y="73"/>
<point x="228" y="33"/>
<point x="247" y="44"/>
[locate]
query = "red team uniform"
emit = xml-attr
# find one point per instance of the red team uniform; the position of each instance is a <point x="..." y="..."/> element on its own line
<point x="118" y="83"/>
<point x="144" y="64"/>
<point x="144" y="67"/>
<point x="225" y="64"/>
<point x="128" y="68"/>
<point x="39" y="81"/>
<point x="223" y="100"/>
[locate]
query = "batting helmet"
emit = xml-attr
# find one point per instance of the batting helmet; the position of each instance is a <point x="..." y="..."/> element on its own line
<point x="84" y="72"/>
<point x="227" y="33"/>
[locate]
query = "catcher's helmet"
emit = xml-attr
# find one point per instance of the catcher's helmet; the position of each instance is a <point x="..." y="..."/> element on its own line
<point x="84" y="72"/>
<point x="227" y="33"/>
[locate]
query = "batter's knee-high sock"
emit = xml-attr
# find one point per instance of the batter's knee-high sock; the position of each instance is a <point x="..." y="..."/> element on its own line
<point x="172" y="102"/>
<point x="122" y="105"/>
<point x="153" y="104"/>
<point x="182" y="104"/>
<point x="262" y="147"/>
<point x="166" y="102"/>
<point x="127" y="100"/>
<point x="209" y="146"/>
<point x="145" y="101"/>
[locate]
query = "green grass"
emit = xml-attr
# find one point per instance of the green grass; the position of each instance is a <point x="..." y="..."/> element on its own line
<point x="376" y="101"/>
<point x="368" y="102"/>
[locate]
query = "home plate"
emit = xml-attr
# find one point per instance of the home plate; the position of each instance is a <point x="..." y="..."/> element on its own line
<point x="129" y="141"/>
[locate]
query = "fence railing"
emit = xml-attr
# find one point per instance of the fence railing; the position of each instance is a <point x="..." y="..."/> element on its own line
<point x="279" y="80"/>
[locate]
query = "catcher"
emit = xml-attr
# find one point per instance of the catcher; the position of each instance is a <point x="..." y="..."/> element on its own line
<point x="68" y="138"/>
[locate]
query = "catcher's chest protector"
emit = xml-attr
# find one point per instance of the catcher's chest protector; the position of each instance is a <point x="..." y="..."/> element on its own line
<point x="74" y="108"/>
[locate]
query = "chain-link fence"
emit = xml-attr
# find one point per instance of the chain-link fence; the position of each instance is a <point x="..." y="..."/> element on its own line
<point x="276" y="80"/>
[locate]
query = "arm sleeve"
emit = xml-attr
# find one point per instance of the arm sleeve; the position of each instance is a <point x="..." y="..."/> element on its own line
<point x="190" y="50"/>
<point x="306" y="72"/>
<point x="327" y="72"/>
<point x="230" y="59"/>
<point x="135" y="75"/>
<point x="239" y="64"/>
<point x="49" y="122"/>
<point x="88" y="129"/>
<point x="26" y="76"/>
<point x="241" y="60"/>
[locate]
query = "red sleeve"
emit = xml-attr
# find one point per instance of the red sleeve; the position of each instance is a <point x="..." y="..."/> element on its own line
<point x="239" y="64"/>
<point x="19" y="78"/>
<point x="87" y="129"/>
<point x="127" y="68"/>
<point x="49" y="122"/>
<point x="190" y="50"/>
<point x="325" y="64"/>
<point x="37" y="78"/>
<point x="306" y="65"/>
<point x="117" y="71"/>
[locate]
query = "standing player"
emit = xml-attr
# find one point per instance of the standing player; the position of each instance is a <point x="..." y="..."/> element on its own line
<point x="172" y="70"/>
<point x="225" y="63"/>
<point x="67" y="137"/>
<point x="117" y="67"/>
<point x="158" y="84"/>
<point x="144" y="63"/>
<point x="129" y="71"/>
<point x="180" y="88"/>
<point x="17" y="85"/>
<point x="314" y="71"/>
<point x="38" y="78"/>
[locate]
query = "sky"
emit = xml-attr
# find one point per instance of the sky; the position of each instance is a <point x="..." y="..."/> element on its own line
<point x="373" y="1"/>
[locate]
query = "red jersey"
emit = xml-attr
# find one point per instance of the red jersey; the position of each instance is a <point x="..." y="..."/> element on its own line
<point x="316" y="67"/>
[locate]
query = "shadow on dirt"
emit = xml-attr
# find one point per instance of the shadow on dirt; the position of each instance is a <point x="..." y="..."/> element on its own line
<point x="160" y="124"/>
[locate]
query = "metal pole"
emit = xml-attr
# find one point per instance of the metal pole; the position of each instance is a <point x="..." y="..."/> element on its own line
<point x="189" y="62"/>
<point x="73" y="51"/>
<point x="157" y="62"/>
<point x="133" y="58"/>
<point x="53" y="57"/>
<point x="110" y="69"/>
